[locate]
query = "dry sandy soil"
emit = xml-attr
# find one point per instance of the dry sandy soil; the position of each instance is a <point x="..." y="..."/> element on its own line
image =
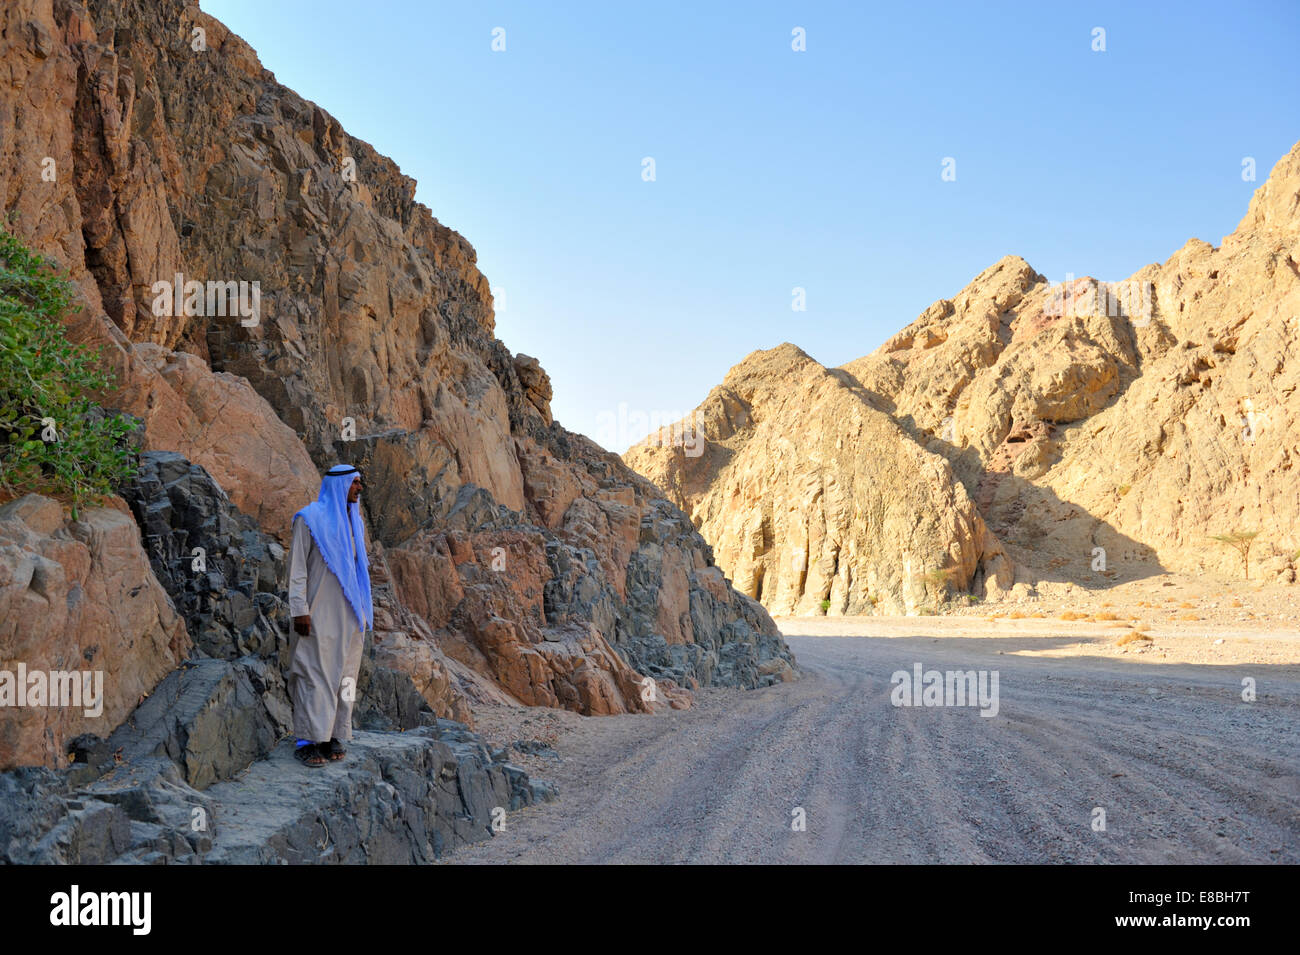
<point x="1155" y="733"/>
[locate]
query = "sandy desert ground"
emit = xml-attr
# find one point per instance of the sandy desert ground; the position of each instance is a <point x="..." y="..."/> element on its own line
<point x="1155" y="733"/>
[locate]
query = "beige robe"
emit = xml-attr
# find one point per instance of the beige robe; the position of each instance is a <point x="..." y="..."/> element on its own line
<point x="324" y="666"/>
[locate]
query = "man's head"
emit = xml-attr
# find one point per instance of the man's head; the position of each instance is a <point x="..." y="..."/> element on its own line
<point x="342" y="484"/>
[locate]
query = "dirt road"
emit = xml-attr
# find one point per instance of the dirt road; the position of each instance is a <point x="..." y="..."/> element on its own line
<point x="1184" y="769"/>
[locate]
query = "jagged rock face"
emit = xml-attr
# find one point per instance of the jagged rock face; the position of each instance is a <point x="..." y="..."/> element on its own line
<point x="482" y="593"/>
<point x="1140" y="417"/>
<point x="687" y="623"/>
<point x="225" y="577"/>
<point x="224" y="427"/>
<point x="78" y="596"/>
<point x="401" y="799"/>
<point x="196" y="162"/>
<point x="373" y="343"/>
<point x="1123" y="422"/>
<point x="86" y="189"/>
<point x="543" y="614"/>
<point x="407" y="800"/>
<point x="812" y="497"/>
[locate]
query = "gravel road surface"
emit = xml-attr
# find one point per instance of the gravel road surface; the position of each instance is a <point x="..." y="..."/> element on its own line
<point x="1184" y="769"/>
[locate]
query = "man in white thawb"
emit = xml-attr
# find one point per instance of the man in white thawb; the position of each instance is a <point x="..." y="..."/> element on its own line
<point x="329" y="599"/>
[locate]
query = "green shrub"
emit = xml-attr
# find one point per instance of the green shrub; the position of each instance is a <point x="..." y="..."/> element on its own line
<point x="826" y="605"/>
<point x="47" y="385"/>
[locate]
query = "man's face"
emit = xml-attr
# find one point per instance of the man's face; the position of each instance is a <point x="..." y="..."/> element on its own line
<point x="354" y="492"/>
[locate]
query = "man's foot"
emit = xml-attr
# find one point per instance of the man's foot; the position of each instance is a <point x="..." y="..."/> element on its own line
<point x="310" y="755"/>
<point x="334" y="750"/>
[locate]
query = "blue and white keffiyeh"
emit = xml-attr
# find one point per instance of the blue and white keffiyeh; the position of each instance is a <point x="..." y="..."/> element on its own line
<point x="335" y="525"/>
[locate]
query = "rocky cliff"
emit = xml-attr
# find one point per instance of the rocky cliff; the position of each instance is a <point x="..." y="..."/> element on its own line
<point x="273" y="300"/>
<point x="142" y="143"/>
<point x="1018" y="433"/>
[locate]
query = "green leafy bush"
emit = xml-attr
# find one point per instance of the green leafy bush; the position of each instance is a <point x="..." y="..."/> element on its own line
<point x="54" y="438"/>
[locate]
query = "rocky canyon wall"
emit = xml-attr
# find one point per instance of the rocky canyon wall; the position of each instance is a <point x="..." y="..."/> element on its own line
<point x="142" y="142"/>
<point x="1022" y="432"/>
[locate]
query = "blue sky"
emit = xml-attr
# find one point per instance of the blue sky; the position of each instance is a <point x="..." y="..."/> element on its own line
<point x="777" y="169"/>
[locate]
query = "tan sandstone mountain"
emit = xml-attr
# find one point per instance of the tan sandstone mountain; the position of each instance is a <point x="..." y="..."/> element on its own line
<point x="808" y="493"/>
<point x="1087" y="432"/>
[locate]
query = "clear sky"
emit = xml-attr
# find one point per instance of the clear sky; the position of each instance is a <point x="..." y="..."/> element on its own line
<point x="776" y="169"/>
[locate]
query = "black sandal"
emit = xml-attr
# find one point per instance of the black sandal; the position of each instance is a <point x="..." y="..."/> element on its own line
<point x="334" y="750"/>
<point x="310" y="755"/>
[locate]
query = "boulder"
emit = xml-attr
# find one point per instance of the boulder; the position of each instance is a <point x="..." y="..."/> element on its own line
<point x="78" y="597"/>
<point x="217" y="421"/>
<point x="212" y="718"/>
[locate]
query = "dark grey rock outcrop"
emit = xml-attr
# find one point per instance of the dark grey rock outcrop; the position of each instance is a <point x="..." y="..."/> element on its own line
<point x="402" y="798"/>
<point x="210" y="717"/>
<point x="225" y="577"/>
<point x="397" y="798"/>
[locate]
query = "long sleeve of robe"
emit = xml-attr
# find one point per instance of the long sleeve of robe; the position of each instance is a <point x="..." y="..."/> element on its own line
<point x="324" y="666"/>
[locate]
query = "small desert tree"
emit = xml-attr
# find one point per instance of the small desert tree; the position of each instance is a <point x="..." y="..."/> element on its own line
<point x="54" y="438"/>
<point x="1241" y="541"/>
